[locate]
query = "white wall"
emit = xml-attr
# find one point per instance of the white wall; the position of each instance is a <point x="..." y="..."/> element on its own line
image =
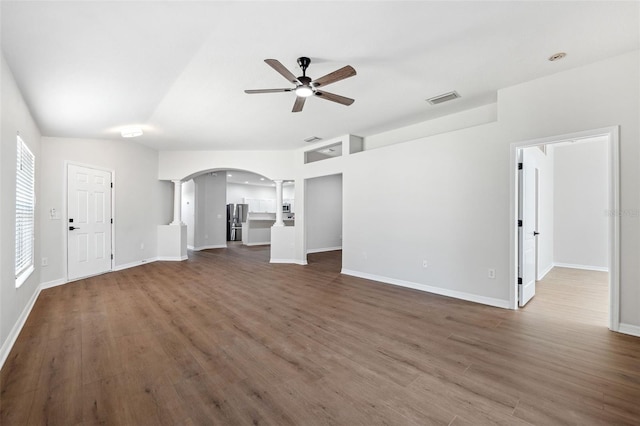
<point x="141" y="201"/>
<point x="581" y="202"/>
<point x="188" y="211"/>
<point x="236" y="192"/>
<point x="324" y="213"/>
<point x="543" y="162"/>
<point x="210" y="222"/>
<point x="15" y="117"/>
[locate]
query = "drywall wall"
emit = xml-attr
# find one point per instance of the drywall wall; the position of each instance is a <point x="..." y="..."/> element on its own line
<point x="581" y="203"/>
<point x="324" y="213"/>
<point x="237" y="192"/>
<point x="472" y="117"/>
<point x="602" y="94"/>
<point x="543" y="162"/>
<point x="14" y="118"/>
<point x="188" y="211"/>
<point x="141" y="201"/>
<point x="210" y="222"/>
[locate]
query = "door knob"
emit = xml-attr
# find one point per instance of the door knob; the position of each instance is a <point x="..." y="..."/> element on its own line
<point x="71" y="228"/>
<point x="535" y="233"/>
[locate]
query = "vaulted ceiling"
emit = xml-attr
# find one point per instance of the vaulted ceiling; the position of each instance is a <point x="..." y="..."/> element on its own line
<point x="179" y="68"/>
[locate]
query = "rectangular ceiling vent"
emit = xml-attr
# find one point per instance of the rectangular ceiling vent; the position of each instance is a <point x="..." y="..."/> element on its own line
<point x="313" y="139"/>
<point x="443" y="98"/>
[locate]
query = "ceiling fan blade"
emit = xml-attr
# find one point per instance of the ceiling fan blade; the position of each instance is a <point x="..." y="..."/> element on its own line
<point x="334" y="98"/>
<point x="299" y="103"/>
<point x="251" y="92"/>
<point x="341" y="74"/>
<point x="276" y="65"/>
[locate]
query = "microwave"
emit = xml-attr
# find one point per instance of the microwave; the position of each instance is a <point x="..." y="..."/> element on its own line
<point x="286" y="208"/>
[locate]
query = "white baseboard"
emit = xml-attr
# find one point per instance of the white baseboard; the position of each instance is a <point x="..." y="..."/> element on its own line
<point x="632" y="330"/>
<point x="54" y="283"/>
<point x="290" y="261"/>
<point x="134" y="264"/>
<point x="264" y="243"/>
<point x="17" y="328"/>
<point x="585" y="267"/>
<point x="209" y="247"/>
<point x="499" y="303"/>
<point x="545" y="272"/>
<point x="171" y="258"/>
<point x="189" y="247"/>
<point x="321" y="250"/>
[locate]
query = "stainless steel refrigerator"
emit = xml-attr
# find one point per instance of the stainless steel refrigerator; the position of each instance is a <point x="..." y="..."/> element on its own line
<point x="236" y="216"/>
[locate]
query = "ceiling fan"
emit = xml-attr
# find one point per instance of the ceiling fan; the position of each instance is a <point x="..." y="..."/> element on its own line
<point x="306" y="87"/>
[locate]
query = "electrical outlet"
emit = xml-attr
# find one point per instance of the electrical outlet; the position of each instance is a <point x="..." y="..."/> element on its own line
<point x="425" y="264"/>
<point x="491" y="273"/>
<point x="45" y="261"/>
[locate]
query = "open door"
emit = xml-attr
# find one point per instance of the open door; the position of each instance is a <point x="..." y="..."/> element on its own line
<point x="526" y="230"/>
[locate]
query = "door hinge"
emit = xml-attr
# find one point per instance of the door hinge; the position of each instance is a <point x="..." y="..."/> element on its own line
<point x="112" y="221"/>
<point x="519" y="168"/>
<point x="112" y="183"/>
<point x="519" y="280"/>
<point x="519" y="223"/>
<point x="111" y="256"/>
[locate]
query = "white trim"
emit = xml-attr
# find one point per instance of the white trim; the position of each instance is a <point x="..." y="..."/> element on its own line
<point x="24" y="276"/>
<point x="499" y="303"/>
<point x="17" y="328"/>
<point x="264" y="243"/>
<point x="54" y="283"/>
<point x="585" y="267"/>
<point x="171" y="258"/>
<point x="545" y="272"/>
<point x="290" y="261"/>
<point x="215" y="246"/>
<point x="321" y="250"/>
<point x="612" y="133"/>
<point x="632" y="330"/>
<point x="134" y="264"/>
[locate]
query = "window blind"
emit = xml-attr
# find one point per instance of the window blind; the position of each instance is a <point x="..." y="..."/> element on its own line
<point x="25" y="208"/>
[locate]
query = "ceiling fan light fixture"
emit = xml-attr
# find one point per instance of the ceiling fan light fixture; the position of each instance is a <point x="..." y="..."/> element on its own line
<point x="304" y="91"/>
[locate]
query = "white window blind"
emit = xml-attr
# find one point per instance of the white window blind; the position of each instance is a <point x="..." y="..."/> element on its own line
<point x="25" y="208"/>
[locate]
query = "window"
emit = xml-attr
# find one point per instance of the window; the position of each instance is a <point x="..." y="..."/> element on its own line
<point x="25" y="212"/>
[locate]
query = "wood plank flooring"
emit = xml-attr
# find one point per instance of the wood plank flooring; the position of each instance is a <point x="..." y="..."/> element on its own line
<point x="226" y="338"/>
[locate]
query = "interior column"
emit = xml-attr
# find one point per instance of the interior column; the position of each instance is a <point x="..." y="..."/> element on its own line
<point x="279" y="221"/>
<point x="177" y="203"/>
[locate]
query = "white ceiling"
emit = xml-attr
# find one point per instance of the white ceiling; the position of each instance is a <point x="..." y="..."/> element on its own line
<point x="179" y="68"/>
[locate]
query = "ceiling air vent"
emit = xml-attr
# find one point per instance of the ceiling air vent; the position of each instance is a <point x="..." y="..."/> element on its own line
<point x="443" y="98"/>
<point x="313" y="139"/>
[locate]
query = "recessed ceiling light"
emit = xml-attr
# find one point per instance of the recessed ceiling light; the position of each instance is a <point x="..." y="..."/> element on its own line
<point x="229" y="175"/>
<point x="557" y="56"/>
<point x="261" y="178"/>
<point x="246" y="181"/>
<point x="131" y="132"/>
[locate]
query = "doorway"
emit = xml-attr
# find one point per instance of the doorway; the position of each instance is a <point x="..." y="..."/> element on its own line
<point x="89" y="221"/>
<point x="323" y="218"/>
<point x="567" y="236"/>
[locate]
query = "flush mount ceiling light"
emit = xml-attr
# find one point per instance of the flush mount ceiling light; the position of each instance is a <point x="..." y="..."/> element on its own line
<point x="131" y="132"/>
<point x="557" y="56"/>
<point x="304" y="91"/>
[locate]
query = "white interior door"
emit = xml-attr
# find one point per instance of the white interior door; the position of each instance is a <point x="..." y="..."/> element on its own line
<point x="89" y="221"/>
<point x="527" y="232"/>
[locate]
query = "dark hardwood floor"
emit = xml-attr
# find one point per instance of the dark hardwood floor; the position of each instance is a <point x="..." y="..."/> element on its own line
<point x="226" y="338"/>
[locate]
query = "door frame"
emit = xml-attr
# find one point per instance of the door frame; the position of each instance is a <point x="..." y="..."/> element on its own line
<point x="612" y="133"/>
<point x="65" y="200"/>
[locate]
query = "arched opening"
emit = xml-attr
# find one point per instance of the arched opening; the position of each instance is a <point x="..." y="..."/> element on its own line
<point x="225" y="207"/>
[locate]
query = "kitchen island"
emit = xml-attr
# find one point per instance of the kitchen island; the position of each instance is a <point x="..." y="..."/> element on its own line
<point x="256" y="230"/>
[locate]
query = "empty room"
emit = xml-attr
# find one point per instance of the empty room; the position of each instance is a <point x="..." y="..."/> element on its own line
<point x="319" y="213"/>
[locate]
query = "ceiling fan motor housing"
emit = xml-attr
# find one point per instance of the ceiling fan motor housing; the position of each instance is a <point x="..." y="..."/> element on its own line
<point x="304" y="62"/>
